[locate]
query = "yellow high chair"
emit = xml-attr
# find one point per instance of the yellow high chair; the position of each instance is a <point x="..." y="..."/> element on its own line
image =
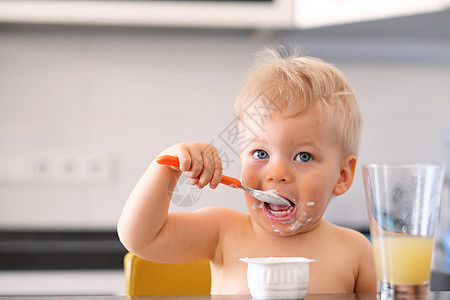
<point x="144" y="277"/>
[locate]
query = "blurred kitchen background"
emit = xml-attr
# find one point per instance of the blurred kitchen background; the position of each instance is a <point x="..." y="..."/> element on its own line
<point x="92" y="91"/>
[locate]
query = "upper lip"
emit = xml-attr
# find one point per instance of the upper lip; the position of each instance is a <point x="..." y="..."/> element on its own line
<point x="285" y="197"/>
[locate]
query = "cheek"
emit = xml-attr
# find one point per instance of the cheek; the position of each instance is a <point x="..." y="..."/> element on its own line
<point x="315" y="210"/>
<point x="316" y="192"/>
<point x="253" y="205"/>
<point x="256" y="211"/>
<point x="249" y="176"/>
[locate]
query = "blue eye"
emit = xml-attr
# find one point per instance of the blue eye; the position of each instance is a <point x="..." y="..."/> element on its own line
<point x="304" y="157"/>
<point x="260" y="154"/>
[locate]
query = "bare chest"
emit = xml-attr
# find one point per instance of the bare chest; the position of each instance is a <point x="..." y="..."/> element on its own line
<point x="329" y="273"/>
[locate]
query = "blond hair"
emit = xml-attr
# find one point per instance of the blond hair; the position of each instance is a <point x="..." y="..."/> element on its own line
<point x="294" y="84"/>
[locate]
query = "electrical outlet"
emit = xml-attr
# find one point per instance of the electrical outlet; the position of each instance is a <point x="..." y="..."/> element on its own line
<point x="68" y="168"/>
<point x="93" y="168"/>
<point x="65" y="169"/>
<point x="39" y="168"/>
<point x="98" y="167"/>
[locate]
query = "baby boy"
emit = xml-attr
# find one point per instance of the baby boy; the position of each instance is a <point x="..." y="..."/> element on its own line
<point x="301" y="124"/>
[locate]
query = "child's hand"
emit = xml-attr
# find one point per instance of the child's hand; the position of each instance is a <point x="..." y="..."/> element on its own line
<point x="199" y="161"/>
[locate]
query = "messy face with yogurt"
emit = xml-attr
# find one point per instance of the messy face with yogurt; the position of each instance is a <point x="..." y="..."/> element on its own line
<point x="299" y="125"/>
<point x="300" y="159"/>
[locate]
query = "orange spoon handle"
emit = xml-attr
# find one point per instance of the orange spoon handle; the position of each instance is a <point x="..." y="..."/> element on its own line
<point x="168" y="160"/>
<point x="230" y="181"/>
<point x="171" y="160"/>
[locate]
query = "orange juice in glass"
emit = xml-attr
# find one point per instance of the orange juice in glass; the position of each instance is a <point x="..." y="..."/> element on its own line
<point x="403" y="260"/>
<point x="403" y="207"/>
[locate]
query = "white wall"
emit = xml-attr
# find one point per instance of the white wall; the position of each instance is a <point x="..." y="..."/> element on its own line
<point x="114" y="98"/>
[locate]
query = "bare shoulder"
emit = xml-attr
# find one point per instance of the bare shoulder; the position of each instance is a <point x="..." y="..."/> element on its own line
<point x="347" y="235"/>
<point x="352" y="244"/>
<point x="359" y="250"/>
<point x="225" y="222"/>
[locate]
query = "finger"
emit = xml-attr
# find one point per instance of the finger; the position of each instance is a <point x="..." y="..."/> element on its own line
<point x="185" y="160"/>
<point x="193" y="181"/>
<point x="207" y="171"/>
<point x="196" y="165"/>
<point x="218" y="169"/>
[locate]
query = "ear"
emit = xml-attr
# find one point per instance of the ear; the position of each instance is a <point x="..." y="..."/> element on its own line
<point x="346" y="175"/>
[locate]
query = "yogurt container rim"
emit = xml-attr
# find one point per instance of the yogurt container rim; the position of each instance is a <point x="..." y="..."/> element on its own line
<point x="276" y="260"/>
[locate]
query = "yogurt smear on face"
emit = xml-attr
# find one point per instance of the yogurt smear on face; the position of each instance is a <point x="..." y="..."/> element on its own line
<point x="290" y="223"/>
<point x="257" y="205"/>
<point x="287" y="218"/>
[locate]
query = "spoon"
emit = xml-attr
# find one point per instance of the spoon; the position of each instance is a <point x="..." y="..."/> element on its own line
<point x="264" y="196"/>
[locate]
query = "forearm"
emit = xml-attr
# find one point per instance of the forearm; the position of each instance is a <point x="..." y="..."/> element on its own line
<point x="146" y="209"/>
<point x="146" y="229"/>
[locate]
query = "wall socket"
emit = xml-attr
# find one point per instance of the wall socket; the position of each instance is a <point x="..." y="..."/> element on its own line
<point x="59" y="169"/>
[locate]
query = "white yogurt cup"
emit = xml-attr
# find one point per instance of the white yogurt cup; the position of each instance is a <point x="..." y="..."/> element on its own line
<point x="277" y="277"/>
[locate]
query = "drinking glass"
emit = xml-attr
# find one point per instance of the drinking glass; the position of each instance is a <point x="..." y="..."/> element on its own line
<point x="403" y="207"/>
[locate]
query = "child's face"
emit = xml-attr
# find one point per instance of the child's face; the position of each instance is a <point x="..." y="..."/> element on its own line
<point x="297" y="157"/>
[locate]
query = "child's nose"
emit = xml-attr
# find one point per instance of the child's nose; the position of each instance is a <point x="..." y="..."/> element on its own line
<point x="278" y="172"/>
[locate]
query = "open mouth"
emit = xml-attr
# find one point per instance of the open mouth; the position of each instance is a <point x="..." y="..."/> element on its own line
<point x="280" y="213"/>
